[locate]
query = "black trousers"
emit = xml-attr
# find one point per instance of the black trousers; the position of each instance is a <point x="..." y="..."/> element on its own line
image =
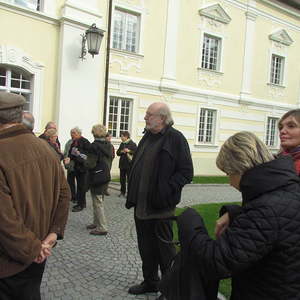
<point x="124" y="174"/>
<point x="154" y="253"/>
<point x="24" y="285"/>
<point x="72" y="185"/>
<point x="81" y="180"/>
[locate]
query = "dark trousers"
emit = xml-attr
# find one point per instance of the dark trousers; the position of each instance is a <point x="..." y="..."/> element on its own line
<point x="71" y="182"/>
<point x="81" y="180"/>
<point x="24" y="285"/>
<point x="154" y="253"/>
<point x="124" y="174"/>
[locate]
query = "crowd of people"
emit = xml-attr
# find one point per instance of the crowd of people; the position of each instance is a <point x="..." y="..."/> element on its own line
<point x="257" y="243"/>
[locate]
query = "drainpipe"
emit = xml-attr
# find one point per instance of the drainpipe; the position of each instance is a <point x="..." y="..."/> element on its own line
<point x="107" y="61"/>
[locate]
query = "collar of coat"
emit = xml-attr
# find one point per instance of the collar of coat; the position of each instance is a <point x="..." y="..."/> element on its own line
<point x="13" y="131"/>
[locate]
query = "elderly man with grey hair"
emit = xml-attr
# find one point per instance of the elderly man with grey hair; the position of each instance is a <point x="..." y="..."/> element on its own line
<point x="49" y="125"/>
<point x="33" y="212"/>
<point x="28" y="120"/>
<point x="161" y="166"/>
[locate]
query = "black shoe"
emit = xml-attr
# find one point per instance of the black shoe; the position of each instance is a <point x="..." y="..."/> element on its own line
<point x="161" y="297"/>
<point x="142" y="288"/>
<point x="77" y="208"/>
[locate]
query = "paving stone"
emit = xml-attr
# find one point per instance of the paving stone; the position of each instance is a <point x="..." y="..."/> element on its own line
<point x="87" y="267"/>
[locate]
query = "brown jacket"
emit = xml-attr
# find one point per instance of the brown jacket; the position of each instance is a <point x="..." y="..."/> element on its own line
<point x="34" y="197"/>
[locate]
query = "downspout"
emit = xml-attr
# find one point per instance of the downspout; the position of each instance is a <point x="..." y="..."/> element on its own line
<point x="107" y="61"/>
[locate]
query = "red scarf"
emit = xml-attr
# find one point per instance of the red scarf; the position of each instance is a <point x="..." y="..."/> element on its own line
<point x="295" y="153"/>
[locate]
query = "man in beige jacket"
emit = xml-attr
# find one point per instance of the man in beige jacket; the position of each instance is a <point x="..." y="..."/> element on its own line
<point x="34" y="199"/>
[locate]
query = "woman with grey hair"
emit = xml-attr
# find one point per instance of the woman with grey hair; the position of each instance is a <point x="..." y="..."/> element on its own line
<point x="257" y="243"/>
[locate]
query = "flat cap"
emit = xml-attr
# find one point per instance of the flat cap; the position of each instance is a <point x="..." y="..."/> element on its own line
<point x="10" y="100"/>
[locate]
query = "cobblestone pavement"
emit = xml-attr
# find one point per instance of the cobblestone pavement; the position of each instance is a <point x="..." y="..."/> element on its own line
<point x="103" y="267"/>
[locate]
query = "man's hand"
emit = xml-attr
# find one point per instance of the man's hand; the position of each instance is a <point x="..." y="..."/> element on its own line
<point x="47" y="245"/>
<point x="221" y="224"/>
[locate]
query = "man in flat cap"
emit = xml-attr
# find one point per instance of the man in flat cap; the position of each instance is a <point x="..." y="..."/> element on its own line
<point x="34" y="199"/>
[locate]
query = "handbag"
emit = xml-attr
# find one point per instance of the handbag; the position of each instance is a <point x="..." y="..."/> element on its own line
<point x="100" y="174"/>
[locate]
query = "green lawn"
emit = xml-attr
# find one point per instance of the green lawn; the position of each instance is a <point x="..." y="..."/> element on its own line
<point x="200" y="179"/>
<point x="210" y="179"/>
<point x="210" y="213"/>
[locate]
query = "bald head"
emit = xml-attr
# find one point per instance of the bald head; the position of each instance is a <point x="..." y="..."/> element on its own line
<point x="158" y="116"/>
<point x="28" y="120"/>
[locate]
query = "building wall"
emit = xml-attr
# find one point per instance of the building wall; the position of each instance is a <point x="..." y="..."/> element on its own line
<point x="67" y="90"/>
<point x="167" y="65"/>
<point x="239" y="92"/>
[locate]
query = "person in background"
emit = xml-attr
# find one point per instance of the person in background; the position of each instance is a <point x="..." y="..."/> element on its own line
<point x="34" y="203"/>
<point x="101" y="148"/>
<point x="49" y="125"/>
<point x="108" y="139"/>
<point x="257" y="243"/>
<point x="28" y="120"/>
<point x="77" y="153"/>
<point x="69" y="165"/>
<point x="51" y="138"/>
<point x="289" y="134"/>
<point x="161" y="166"/>
<point x="125" y="151"/>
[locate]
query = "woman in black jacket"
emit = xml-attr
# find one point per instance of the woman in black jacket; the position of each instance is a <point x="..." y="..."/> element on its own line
<point x="258" y="243"/>
<point x="101" y="149"/>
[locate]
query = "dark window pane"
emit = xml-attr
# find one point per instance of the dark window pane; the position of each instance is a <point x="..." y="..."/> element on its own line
<point x="15" y="83"/>
<point x="15" y="75"/>
<point x="26" y="85"/>
<point x="2" y="81"/>
<point x="2" y="72"/>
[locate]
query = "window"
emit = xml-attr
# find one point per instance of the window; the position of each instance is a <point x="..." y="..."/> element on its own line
<point x="207" y="122"/>
<point x="119" y="115"/>
<point x="211" y="52"/>
<point x="31" y="4"/>
<point x="277" y="66"/>
<point x="18" y="82"/>
<point x="126" y="31"/>
<point x="271" y="132"/>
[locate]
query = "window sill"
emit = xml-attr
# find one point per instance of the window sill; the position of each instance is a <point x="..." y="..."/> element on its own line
<point x="276" y="85"/>
<point x="206" y="146"/>
<point x="124" y="52"/>
<point x="28" y="12"/>
<point x="210" y="71"/>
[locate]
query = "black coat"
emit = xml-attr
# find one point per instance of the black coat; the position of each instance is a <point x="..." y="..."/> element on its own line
<point x="124" y="162"/>
<point x="261" y="248"/>
<point x="82" y="144"/>
<point x="173" y="169"/>
<point x="103" y="150"/>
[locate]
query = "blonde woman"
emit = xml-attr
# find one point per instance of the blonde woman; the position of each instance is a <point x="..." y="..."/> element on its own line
<point x="101" y="148"/>
<point x="258" y="242"/>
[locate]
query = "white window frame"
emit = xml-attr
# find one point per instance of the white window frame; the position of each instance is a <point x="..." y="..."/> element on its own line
<point x="268" y="137"/>
<point x="15" y="57"/>
<point x="120" y="98"/>
<point x="124" y="30"/>
<point x="139" y="11"/>
<point x="19" y="3"/>
<point x="213" y="129"/>
<point x="8" y="85"/>
<point x="220" y="51"/>
<point x="282" y="71"/>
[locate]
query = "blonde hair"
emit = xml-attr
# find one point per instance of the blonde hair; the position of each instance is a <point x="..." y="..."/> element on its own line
<point x="241" y="152"/>
<point x="99" y="130"/>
